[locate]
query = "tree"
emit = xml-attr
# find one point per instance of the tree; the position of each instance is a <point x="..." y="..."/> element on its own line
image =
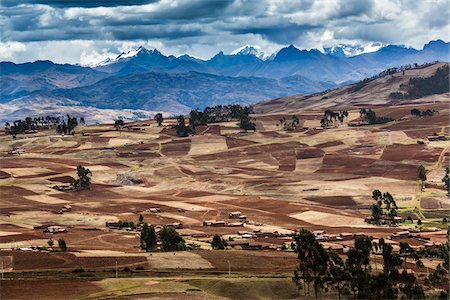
<point x="84" y="178"/>
<point x="118" y="124"/>
<point x="62" y="245"/>
<point x="141" y="218"/>
<point x="376" y="194"/>
<point x="422" y="173"/>
<point x="246" y="123"/>
<point x="50" y="243"/>
<point x="446" y="179"/>
<point x="149" y="239"/>
<point x="313" y="261"/>
<point x="159" y="119"/>
<point x="339" y="274"/>
<point x="170" y="239"/>
<point x="376" y="212"/>
<point x="181" y="128"/>
<point x="218" y="242"/>
<point x="359" y="255"/>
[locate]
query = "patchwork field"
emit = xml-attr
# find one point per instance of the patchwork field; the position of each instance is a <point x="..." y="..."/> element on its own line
<point x="282" y="181"/>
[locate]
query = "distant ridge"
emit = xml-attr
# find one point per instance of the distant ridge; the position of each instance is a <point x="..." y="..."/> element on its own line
<point x="149" y="80"/>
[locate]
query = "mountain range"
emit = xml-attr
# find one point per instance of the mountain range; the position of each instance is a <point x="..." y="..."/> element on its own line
<point x="147" y="80"/>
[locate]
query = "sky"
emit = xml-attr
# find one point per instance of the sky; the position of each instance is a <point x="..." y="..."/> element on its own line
<point x="85" y="32"/>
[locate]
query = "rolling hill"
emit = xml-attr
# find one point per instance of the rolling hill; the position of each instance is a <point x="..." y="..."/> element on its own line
<point x="376" y="91"/>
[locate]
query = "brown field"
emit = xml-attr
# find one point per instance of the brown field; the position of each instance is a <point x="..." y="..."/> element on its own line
<point x="281" y="180"/>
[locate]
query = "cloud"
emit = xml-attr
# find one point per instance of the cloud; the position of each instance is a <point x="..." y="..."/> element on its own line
<point x="78" y="3"/>
<point x="204" y="27"/>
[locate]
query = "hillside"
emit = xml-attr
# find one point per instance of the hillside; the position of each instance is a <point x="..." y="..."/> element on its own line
<point x="161" y="92"/>
<point x="147" y="80"/>
<point x="364" y="93"/>
<point x="18" y="80"/>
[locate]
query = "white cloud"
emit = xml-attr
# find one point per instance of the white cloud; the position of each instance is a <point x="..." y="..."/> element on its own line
<point x="9" y="50"/>
<point x="204" y="27"/>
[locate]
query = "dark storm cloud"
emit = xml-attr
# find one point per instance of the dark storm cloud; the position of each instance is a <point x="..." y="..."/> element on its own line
<point x="152" y="32"/>
<point x="281" y="33"/>
<point x="78" y="3"/>
<point x="351" y="8"/>
<point x="208" y="26"/>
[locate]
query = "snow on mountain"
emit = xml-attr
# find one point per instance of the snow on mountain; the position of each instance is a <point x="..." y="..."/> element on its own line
<point x="251" y="50"/>
<point x="124" y="55"/>
<point x="346" y="50"/>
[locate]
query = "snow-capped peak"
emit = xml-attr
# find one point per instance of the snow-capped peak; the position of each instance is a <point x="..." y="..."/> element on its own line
<point x="250" y="50"/>
<point x="346" y="50"/>
<point x="125" y="55"/>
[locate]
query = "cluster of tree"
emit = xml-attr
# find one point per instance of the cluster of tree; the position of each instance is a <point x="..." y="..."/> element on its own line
<point x="69" y="126"/>
<point x="440" y="277"/>
<point x="353" y="278"/>
<point x="226" y="113"/>
<point x="218" y="242"/>
<point x="359" y="85"/>
<point x="371" y="117"/>
<point x="61" y="244"/>
<point x="246" y="123"/>
<point x="289" y="125"/>
<point x="181" y="128"/>
<point x="167" y="239"/>
<point x="423" y="113"/>
<point x="332" y="118"/>
<point x="30" y="125"/>
<point x="385" y="205"/>
<point x="83" y="182"/>
<point x="125" y="224"/>
<point x="213" y="115"/>
<point x="436" y="84"/>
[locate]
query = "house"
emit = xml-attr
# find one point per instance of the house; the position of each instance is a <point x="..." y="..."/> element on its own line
<point x="214" y="223"/>
<point x="337" y="248"/>
<point x="400" y="235"/>
<point x="368" y="219"/>
<point x="397" y="219"/>
<point x="235" y="214"/>
<point x="439" y="137"/>
<point x="56" y="229"/>
<point x="247" y="236"/>
<point x="240" y="243"/>
<point x="235" y="224"/>
<point x="346" y="236"/>
<point x="66" y="208"/>
<point x="16" y="150"/>
<point x="429" y="245"/>
<point x="175" y="225"/>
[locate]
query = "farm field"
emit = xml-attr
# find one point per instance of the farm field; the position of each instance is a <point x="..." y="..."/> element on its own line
<point x="281" y="180"/>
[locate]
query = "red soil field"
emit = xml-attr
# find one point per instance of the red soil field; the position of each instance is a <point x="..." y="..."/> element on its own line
<point x="176" y="148"/>
<point x="46" y="289"/>
<point x="333" y="200"/>
<point x="400" y="152"/>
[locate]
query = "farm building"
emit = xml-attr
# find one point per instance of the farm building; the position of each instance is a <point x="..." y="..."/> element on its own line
<point x="214" y="223"/>
<point x="56" y="229"/>
<point x="235" y="214"/>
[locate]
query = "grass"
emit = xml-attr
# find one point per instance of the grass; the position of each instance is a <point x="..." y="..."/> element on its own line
<point x="248" y="288"/>
<point x="233" y="288"/>
<point x="117" y="287"/>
